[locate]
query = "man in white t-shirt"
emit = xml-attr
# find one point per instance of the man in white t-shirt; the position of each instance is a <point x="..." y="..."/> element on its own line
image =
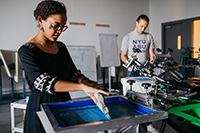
<point x="138" y="39"/>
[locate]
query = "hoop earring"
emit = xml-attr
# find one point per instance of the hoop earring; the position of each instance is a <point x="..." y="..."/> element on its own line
<point x="41" y="29"/>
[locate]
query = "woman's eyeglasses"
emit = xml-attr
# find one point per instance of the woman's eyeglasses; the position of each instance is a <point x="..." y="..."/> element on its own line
<point x="58" y="27"/>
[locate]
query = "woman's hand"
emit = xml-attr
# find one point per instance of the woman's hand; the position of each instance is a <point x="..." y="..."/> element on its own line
<point x="90" y="91"/>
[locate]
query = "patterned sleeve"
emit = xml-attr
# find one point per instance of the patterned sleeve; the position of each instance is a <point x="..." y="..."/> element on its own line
<point x="36" y="78"/>
<point x="44" y="82"/>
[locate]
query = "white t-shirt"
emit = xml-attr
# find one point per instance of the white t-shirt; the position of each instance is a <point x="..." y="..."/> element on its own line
<point x="144" y="42"/>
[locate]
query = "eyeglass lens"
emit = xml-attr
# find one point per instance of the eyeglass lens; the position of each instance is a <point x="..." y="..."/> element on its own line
<point x="58" y="27"/>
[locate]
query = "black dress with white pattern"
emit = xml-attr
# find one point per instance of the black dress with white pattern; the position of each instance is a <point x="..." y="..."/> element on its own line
<point x="42" y="71"/>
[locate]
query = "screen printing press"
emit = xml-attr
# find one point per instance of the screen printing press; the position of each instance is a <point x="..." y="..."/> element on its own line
<point x="84" y="116"/>
<point x="134" y="89"/>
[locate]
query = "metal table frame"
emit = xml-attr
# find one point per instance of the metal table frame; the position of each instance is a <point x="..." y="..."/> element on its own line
<point x="50" y="123"/>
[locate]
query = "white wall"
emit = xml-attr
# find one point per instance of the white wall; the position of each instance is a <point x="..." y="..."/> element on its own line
<point x="17" y="23"/>
<point x="119" y="14"/>
<point x="161" y="11"/>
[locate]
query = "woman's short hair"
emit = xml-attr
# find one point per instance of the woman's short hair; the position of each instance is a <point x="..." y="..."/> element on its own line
<point x="48" y="7"/>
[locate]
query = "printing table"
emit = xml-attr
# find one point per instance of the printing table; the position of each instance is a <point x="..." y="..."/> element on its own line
<point x="84" y="116"/>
